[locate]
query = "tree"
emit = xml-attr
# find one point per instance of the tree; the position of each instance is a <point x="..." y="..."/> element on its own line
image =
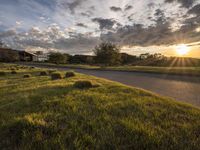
<point x="9" y="56"/>
<point x="58" y="58"/>
<point x="107" y="54"/>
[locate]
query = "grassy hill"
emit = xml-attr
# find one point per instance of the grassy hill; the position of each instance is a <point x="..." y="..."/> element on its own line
<point x="40" y="113"/>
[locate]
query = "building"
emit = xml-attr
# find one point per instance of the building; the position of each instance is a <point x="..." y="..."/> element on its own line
<point x="10" y="55"/>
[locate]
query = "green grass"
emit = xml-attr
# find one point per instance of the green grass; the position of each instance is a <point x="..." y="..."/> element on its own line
<point x="194" y="71"/>
<point x="40" y="113"/>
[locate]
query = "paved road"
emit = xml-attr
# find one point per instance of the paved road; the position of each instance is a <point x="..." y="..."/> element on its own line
<point x="181" y="88"/>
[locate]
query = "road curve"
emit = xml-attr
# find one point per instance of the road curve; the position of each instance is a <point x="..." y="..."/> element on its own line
<point x="181" y="88"/>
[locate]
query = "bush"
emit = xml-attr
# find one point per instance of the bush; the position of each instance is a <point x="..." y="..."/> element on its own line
<point x="51" y="71"/>
<point x="27" y="76"/>
<point x="69" y="74"/>
<point x="2" y="73"/>
<point x="13" y="72"/>
<point x="83" y="84"/>
<point x="58" y="58"/>
<point x="56" y="76"/>
<point x="43" y="73"/>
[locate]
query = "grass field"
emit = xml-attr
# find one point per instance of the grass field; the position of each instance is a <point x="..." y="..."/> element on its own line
<point x="40" y="113"/>
<point x="194" y="71"/>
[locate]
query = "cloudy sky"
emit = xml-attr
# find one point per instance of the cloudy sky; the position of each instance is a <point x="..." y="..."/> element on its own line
<point x="76" y="26"/>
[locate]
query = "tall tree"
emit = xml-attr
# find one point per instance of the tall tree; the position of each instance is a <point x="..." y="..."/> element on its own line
<point x="107" y="54"/>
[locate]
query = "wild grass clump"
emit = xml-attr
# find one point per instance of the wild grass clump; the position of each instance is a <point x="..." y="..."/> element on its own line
<point x="27" y="76"/>
<point x="56" y="76"/>
<point x="51" y="71"/>
<point x="2" y="73"/>
<point x="13" y="72"/>
<point x="69" y="74"/>
<point x="43" y="73"/>
<point x="83" y="84"/>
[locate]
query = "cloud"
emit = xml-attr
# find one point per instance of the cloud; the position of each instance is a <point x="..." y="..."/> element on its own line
<point x="73" y="5"/>
<point x="106" y="24"/>
<point x="50" y="23"/>
<point x="7" y="33"/>
<point x="81" y="25"/>
<point x="79" y="44"/>
<point x="128" y="7"/>
<point x="195" y="10"/>
<point x="115" y="9"/>
<point x="184" y="3"/>
<point x="159" y="34"/>
<point x="50" y="38"/>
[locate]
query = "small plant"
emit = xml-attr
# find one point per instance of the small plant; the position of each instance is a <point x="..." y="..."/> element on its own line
<point x="43" y="73"/>
<point x="2" y="73"/>
<point x="13" y="72"/>
<point x="51" y="71"/>
<point x="27" y="76"/>
<point x="69" y="74"/>
<point x="83" y="84"/>
<point x="56" y="76"/>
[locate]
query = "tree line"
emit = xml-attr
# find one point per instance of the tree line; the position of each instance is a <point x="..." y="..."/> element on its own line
<point x="108" y="54"/>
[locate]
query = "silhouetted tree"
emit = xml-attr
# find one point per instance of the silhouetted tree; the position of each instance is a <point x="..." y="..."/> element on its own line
<point x="107" y="54"/>
<point x="9" y="56"/>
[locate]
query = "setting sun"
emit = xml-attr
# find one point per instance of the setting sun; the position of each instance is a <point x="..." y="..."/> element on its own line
<point x="182" y="49"/>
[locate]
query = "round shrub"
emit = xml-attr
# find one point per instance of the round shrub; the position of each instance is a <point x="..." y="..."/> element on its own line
<point x="83" y="84"/>
<point x="69" y="74"/>
<point x="2" y="73"/>
<point x="13" y="72"/>
<point x="51" y="71"/>
<point x="56" y="76"/>
<point x="27" y="76"/>
<point x="12" y="69"/>
<point x="43" y="73"/>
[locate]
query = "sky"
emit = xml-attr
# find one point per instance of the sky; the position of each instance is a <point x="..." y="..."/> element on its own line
<point x="77" y="26"/>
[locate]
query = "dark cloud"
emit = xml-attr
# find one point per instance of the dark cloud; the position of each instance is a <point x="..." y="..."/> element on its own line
<point x="7" y="34"/>
<point x="115" y="9"/>
<point x="106" y="24"/>
<point x="49" y="39"/>
<point x="79" y="44"/>
<point x="184" y="3"/>
<point x="92" y="8"/>
<point x="81" y="25"/>
<point x="85" y="14"/>
<point x="159" y="34"/>
<point x="195" y="10"/>
<point x="130" y="17"/>
<point x="73" y="5"/>
<point x="160" y="17"/>
<point x="151" y="5"/>
<point x="128" y="7"/>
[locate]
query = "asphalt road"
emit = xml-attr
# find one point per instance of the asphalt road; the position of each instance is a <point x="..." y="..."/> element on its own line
<point x="181" y="88"/>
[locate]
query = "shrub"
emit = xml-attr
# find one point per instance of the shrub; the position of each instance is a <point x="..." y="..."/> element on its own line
<point x="51" y="71"/>
<point x="2" y="73"/>
<point x="69" y="74"/>
<point x="27" y="76"/>
<point x="43" y="73"/>
<point x="13" y="72"/>
<point x="83" y="84"/>
<point x="56" y="76"/>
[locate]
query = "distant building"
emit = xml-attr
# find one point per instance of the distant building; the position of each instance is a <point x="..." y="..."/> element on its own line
<point x="7" y="54"/>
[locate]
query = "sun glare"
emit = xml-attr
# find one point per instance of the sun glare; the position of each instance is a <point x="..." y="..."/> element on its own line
<point x="182" y="49"/>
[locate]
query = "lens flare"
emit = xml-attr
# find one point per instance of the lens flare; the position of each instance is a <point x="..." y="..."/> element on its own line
<point x="182" y="49"/>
